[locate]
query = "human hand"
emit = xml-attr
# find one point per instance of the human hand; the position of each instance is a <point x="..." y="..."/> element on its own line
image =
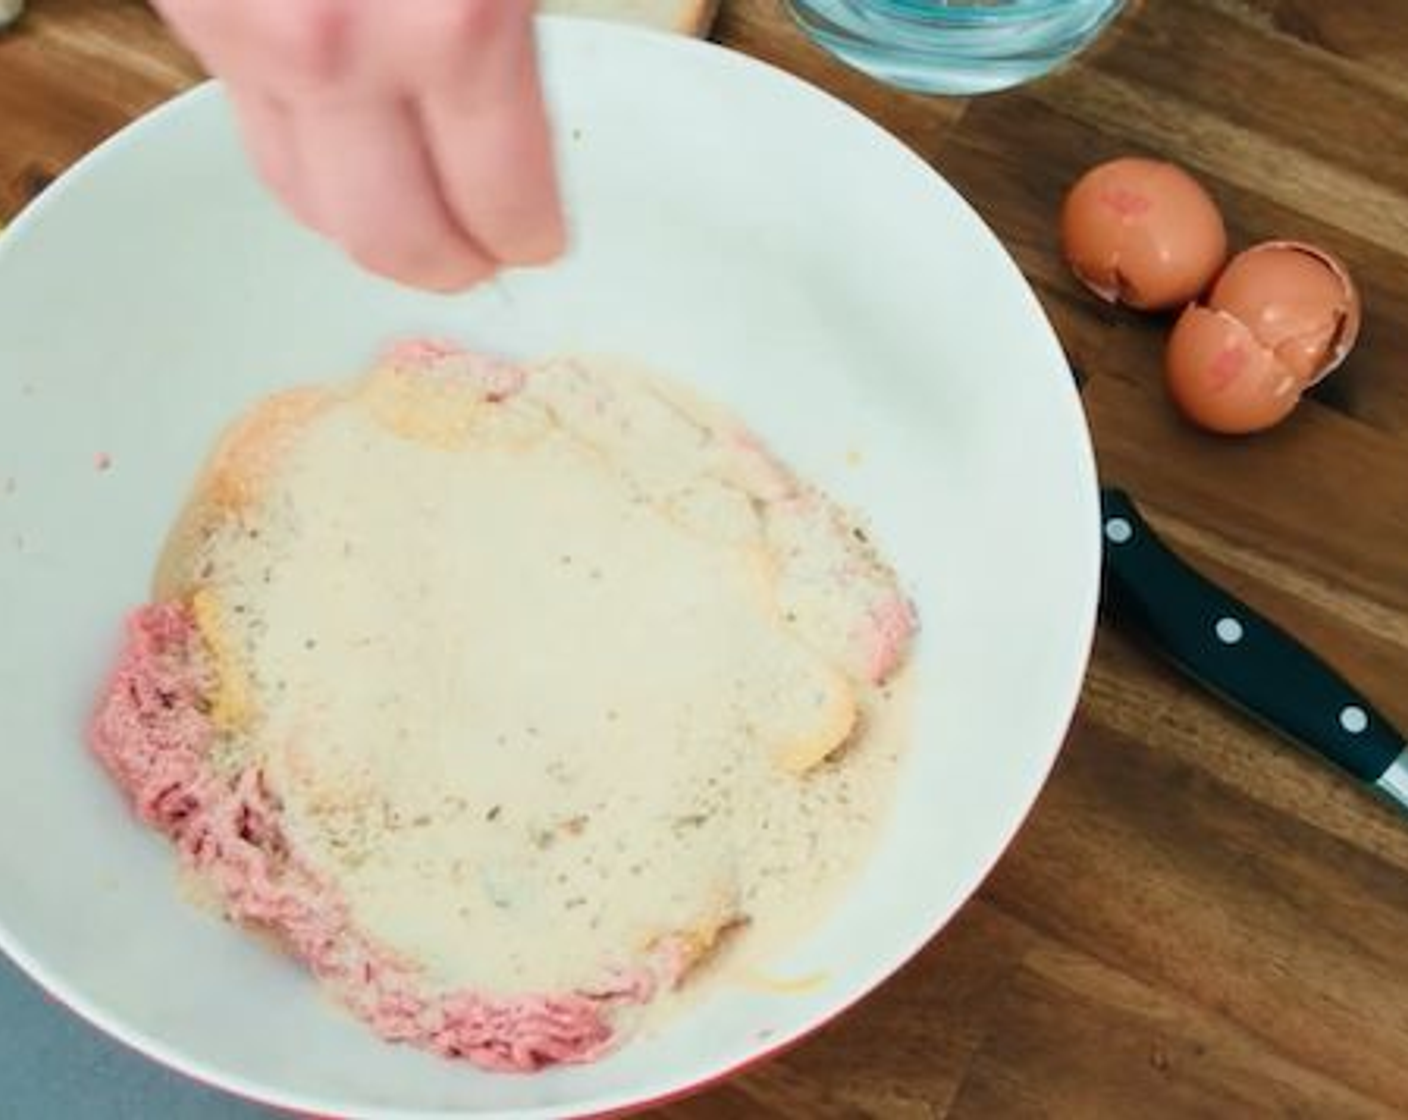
<point x="413" y="134"/>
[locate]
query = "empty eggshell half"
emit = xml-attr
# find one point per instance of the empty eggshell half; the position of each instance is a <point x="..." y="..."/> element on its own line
<point x="1142" y="232"/>
<point x="1281" y="316"/>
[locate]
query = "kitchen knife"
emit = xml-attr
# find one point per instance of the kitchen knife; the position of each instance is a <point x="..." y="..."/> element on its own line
<point x="1238" y="654"/>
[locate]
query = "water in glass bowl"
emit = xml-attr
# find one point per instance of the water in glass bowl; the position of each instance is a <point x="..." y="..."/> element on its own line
<point x="955" y="46"/>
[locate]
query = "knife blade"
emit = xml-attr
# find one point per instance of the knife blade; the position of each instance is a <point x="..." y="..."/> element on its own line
<point x="1238" y="654"/>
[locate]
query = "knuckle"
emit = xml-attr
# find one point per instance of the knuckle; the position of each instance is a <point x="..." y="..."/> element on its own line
<point x="309" y="40"/>
<point x="473" y="21"/>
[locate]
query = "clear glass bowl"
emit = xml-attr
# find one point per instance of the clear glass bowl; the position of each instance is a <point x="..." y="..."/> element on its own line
<point x="955" y="47"/>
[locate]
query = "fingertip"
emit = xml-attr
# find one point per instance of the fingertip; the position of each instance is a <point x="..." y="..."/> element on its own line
<point x="516" y="237"/>
<point x="546" y="244"/>
<point x="372" y="187"/>
<point x="452" y="275"/>
<point x="491" y="151"/>
<point x="455" y="283"/>
<point x="295" y="198"/>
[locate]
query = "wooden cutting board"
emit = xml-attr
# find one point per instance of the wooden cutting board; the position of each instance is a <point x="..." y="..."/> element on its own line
<point x="1195" y="921"/>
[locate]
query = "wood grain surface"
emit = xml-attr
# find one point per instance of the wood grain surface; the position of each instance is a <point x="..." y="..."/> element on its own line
<point x="1196" y="921"/>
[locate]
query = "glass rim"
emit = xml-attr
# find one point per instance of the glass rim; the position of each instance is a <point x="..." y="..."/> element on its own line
<point x="928" y="10"/>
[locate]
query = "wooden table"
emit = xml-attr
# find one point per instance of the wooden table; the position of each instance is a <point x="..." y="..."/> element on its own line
<point x="1195" y="921"/>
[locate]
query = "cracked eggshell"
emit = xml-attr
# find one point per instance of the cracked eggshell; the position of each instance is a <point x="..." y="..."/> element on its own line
<point x="1142" y="232"/>
<point x="1222" y="378"/>
<point x="1280" y="318"/>
<point x="1298" y="300"/>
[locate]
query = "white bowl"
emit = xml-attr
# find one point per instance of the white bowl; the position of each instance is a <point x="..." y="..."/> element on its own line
<point x="733" y="226"/>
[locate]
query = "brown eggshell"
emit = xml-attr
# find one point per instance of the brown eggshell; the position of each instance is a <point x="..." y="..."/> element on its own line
<point x="1222" y="378"/>
<point x="1142" y="232"/>
<point x="1297" y="300"/>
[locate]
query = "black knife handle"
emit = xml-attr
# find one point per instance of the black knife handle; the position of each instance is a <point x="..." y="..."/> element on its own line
<point x="1237" y="653"/>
